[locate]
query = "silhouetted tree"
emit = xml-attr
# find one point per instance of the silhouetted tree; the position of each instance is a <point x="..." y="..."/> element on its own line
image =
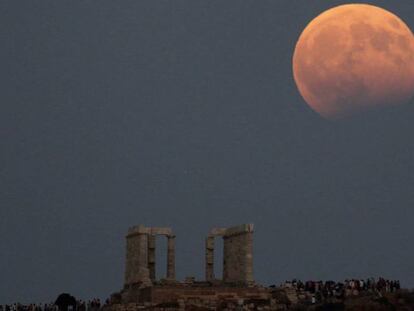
<point x="65" y="300"/>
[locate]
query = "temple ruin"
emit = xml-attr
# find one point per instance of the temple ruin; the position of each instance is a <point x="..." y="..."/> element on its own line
<point x="237" y="255"/>
<point x="141" y="284"/>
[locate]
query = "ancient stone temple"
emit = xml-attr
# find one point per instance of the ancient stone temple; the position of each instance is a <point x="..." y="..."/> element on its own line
<point x="143" y="288"/>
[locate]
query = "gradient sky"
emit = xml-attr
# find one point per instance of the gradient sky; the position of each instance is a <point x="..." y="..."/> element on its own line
<point x="185" y="114"/>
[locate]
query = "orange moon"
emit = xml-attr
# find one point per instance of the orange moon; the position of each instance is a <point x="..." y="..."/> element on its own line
<point x="353" y="58"/>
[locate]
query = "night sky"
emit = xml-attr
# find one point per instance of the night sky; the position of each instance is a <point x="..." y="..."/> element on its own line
<point x="186" y="114"/>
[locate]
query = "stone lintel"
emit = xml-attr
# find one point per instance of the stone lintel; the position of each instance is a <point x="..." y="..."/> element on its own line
<point x="136" y="230"/>
<point x="217" y="232"/>
<point x="161" y="231"/>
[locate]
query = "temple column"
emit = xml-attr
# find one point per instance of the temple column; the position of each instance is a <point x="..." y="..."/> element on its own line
<point x="249" y="258"/>
<point x="209" y="258"/>
<point x="238" y="255"/>
<point x="171" y="257"/>
<point x="136" y="271"/>
<point x="151" y="256"/>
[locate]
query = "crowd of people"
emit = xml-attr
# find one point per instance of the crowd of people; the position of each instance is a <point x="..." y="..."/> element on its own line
<point x="351" y="287"/>
<point x="28" y="307"/>
<point x="90" y="305"/>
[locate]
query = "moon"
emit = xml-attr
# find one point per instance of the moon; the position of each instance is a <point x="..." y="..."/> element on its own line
<point x="353" y="58"/>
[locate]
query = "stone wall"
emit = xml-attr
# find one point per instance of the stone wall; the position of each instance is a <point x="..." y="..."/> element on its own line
<point x="213" y="294"/>
<point x="180" y="297"/>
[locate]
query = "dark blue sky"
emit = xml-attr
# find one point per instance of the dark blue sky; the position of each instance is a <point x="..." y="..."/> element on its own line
<point x="185" y="114"/>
